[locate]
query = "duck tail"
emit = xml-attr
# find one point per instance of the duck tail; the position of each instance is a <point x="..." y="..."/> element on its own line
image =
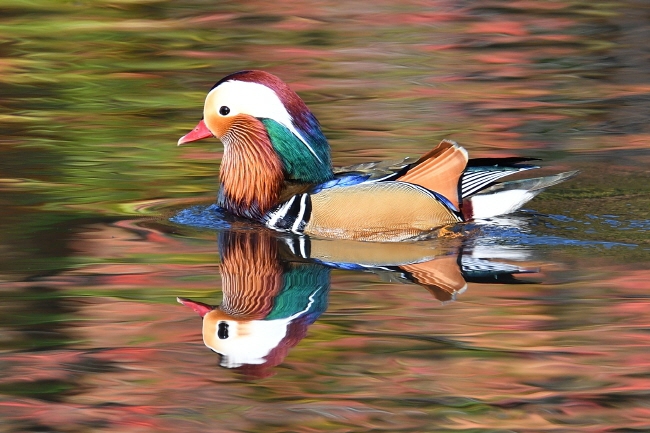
<point x="506" y="197"/>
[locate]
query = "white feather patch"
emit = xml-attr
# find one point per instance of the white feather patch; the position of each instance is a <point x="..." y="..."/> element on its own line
<point x="249" y="342"/>
<point x="499" y="203"/>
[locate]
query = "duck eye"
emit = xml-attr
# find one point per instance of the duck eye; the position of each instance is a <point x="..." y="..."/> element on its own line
<point x="222" y="333"/>
<point x="224" y="110"/>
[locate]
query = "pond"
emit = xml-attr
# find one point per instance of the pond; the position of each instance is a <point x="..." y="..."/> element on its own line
<point x="536" y="321"/>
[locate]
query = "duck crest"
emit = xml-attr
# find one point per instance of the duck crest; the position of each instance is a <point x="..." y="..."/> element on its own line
<point x="299" y="142"/>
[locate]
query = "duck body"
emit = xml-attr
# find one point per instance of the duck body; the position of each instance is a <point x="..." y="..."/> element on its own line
<point x="276" y="169"/>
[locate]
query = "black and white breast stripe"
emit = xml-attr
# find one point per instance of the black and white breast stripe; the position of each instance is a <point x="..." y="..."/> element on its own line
<point x="292" y="215"/>
<point x="300" y="246"/>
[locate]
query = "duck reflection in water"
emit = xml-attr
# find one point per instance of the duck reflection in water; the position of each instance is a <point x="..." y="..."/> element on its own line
<point x="268" y="301"/>
<point x="275" y="286"/>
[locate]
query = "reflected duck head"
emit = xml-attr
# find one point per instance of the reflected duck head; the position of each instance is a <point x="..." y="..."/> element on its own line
<point x="244" y="342"/>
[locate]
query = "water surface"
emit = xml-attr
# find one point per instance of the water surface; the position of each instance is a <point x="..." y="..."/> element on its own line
<point x="532" y="322"/>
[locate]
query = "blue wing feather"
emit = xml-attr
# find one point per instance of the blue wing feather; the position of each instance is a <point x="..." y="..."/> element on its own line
<point x="341" y="180"/>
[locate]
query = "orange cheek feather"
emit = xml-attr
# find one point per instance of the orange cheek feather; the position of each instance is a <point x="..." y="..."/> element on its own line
<point x="219" y="125"/>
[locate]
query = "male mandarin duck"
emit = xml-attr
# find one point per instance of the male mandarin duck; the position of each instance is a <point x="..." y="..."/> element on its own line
<point x="277" y="170"/>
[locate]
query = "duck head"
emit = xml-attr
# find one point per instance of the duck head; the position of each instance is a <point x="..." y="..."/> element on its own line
<point x="269" y="136"/>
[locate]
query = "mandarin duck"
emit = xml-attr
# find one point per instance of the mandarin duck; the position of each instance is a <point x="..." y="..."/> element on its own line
<point x="277" y="170"/>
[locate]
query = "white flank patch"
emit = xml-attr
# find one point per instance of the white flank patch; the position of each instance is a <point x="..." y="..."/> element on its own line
<point x="518" y="253"/>
<point x="500" y="203"/>
<point x="254" y="99"/>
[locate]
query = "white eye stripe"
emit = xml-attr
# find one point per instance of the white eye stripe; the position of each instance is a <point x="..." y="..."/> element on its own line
<point x="249" y="98"/>
<point x="254" y="99"/>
